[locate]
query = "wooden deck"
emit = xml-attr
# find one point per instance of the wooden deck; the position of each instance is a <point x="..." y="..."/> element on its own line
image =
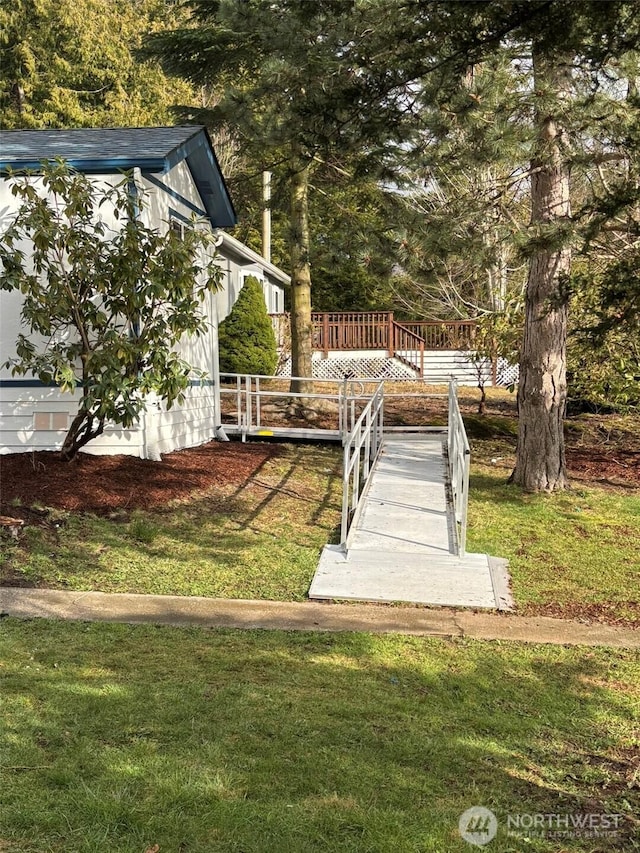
<point x="403" y="545"/>
<point x="366" y="331"/>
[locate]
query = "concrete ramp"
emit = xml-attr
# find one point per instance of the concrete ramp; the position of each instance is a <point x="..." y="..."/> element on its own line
<point x="403" y="546"/>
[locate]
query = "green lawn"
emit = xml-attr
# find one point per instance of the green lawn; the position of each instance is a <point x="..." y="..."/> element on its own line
<point x="580" y="548"/>
<point x="577" y="553"/>
<point x="120" y="738"/>
<point x="257" y="540"/>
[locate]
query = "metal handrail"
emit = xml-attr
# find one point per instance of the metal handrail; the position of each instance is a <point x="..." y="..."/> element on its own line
<point x="361" y="450"/>
<point x="249" y="392"/>
<point x="459" y="456"/>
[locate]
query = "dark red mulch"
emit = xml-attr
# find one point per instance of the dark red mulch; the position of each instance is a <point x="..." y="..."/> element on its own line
<point x="606" y="613"/>
<point x="102" y="484"/>
<point x="612" y="467"/>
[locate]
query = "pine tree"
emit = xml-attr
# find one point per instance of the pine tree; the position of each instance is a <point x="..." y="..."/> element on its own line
<point x="565" y="122"/>
<point x="298" y="83"/>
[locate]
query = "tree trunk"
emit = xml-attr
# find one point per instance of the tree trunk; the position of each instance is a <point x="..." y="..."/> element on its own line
<point x="84" y="428"/>
<point x="301" y="328"/>
<point x="540" y="458"/>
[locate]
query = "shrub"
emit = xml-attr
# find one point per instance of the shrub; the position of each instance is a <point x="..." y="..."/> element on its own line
<point x="90" y="279"/>
<point x="247" y="340"/>
<point x="603" y="375"/>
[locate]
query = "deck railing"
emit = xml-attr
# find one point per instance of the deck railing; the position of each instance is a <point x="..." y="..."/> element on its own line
<point x="408" y="347"/>
<point x="381" y="330"/>
<point x="352" y="330"/>
<point x="453" y="335"/>
<point x="361" y="450"/>
<point x="459" y="459"/>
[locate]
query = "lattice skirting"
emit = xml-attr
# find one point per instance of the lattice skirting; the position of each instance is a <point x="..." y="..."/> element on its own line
<point x="362" y="368"/>
<point x="371" y="367"/>
<point x="507" y="374"/>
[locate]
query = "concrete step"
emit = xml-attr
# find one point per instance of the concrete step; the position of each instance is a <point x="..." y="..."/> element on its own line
<point x="474" y="580"/>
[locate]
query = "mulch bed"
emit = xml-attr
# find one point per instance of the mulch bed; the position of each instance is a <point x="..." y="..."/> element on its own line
<point x="104" y="484"/>
<point x="614" y="467"/>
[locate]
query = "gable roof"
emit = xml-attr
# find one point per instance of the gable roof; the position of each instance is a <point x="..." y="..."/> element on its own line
<point x="105" y="150"/>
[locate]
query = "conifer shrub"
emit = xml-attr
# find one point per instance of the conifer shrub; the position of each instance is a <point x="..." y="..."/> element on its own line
<point x="246" y="338"/>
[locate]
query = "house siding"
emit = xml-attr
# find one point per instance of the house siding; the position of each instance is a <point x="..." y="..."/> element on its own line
<point x="25" y="404"/>
<point x="32" y="415"/>
<point x="23" y="410"/>
<point x="191" y="424"/>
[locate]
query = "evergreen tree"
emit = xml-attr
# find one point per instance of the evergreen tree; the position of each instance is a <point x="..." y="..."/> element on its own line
<point x="298" y="82"/>
<point x="354" y="243"/>
<point x="567" y="117"/>
<point x="246" y="339"/>
<point x="603" y="352"/>
<point x="69" y="63"/>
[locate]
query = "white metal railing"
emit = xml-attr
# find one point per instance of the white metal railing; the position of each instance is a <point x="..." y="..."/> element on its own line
<point x="252" y="395"/>
<point x="361" y="450"/>
<point x="459" y="458"/>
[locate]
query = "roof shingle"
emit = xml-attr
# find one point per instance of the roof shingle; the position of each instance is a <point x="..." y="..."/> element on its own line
<point x="104" y="150"/>
<point x="93" y="143"/>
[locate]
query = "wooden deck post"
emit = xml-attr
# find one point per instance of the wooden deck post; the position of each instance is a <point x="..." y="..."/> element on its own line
<point x="391" y="342"/>
<point x="325" y="335"/>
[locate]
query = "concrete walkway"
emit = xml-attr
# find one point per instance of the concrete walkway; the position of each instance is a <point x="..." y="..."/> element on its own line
<point x="403" y="545"/>
<point x="306" y="616"/>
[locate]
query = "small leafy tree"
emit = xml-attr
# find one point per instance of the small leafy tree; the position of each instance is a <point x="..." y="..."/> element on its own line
<point x="497" y="335"/>
<point x="104" y="305"/>
<point x="246" y="338"/>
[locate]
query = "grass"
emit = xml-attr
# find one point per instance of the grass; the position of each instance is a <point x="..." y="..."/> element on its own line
<point x="258" y="540"/>
<point x="580" y="546"/>
<point x="575" y="554"/>
<point x="121" y="738"/>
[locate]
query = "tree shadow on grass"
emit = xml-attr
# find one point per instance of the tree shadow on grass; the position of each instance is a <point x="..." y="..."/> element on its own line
<point x="123" y="737"/>
<point x="318" y="504"/>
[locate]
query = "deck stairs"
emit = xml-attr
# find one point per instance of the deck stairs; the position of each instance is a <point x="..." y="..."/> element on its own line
<point x="379" y="345"/>
<point x="403" y="546"/>
<point x="377" y="335"/>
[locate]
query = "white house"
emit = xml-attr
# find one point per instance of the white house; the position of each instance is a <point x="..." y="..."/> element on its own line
<point x="177" y="170"/>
